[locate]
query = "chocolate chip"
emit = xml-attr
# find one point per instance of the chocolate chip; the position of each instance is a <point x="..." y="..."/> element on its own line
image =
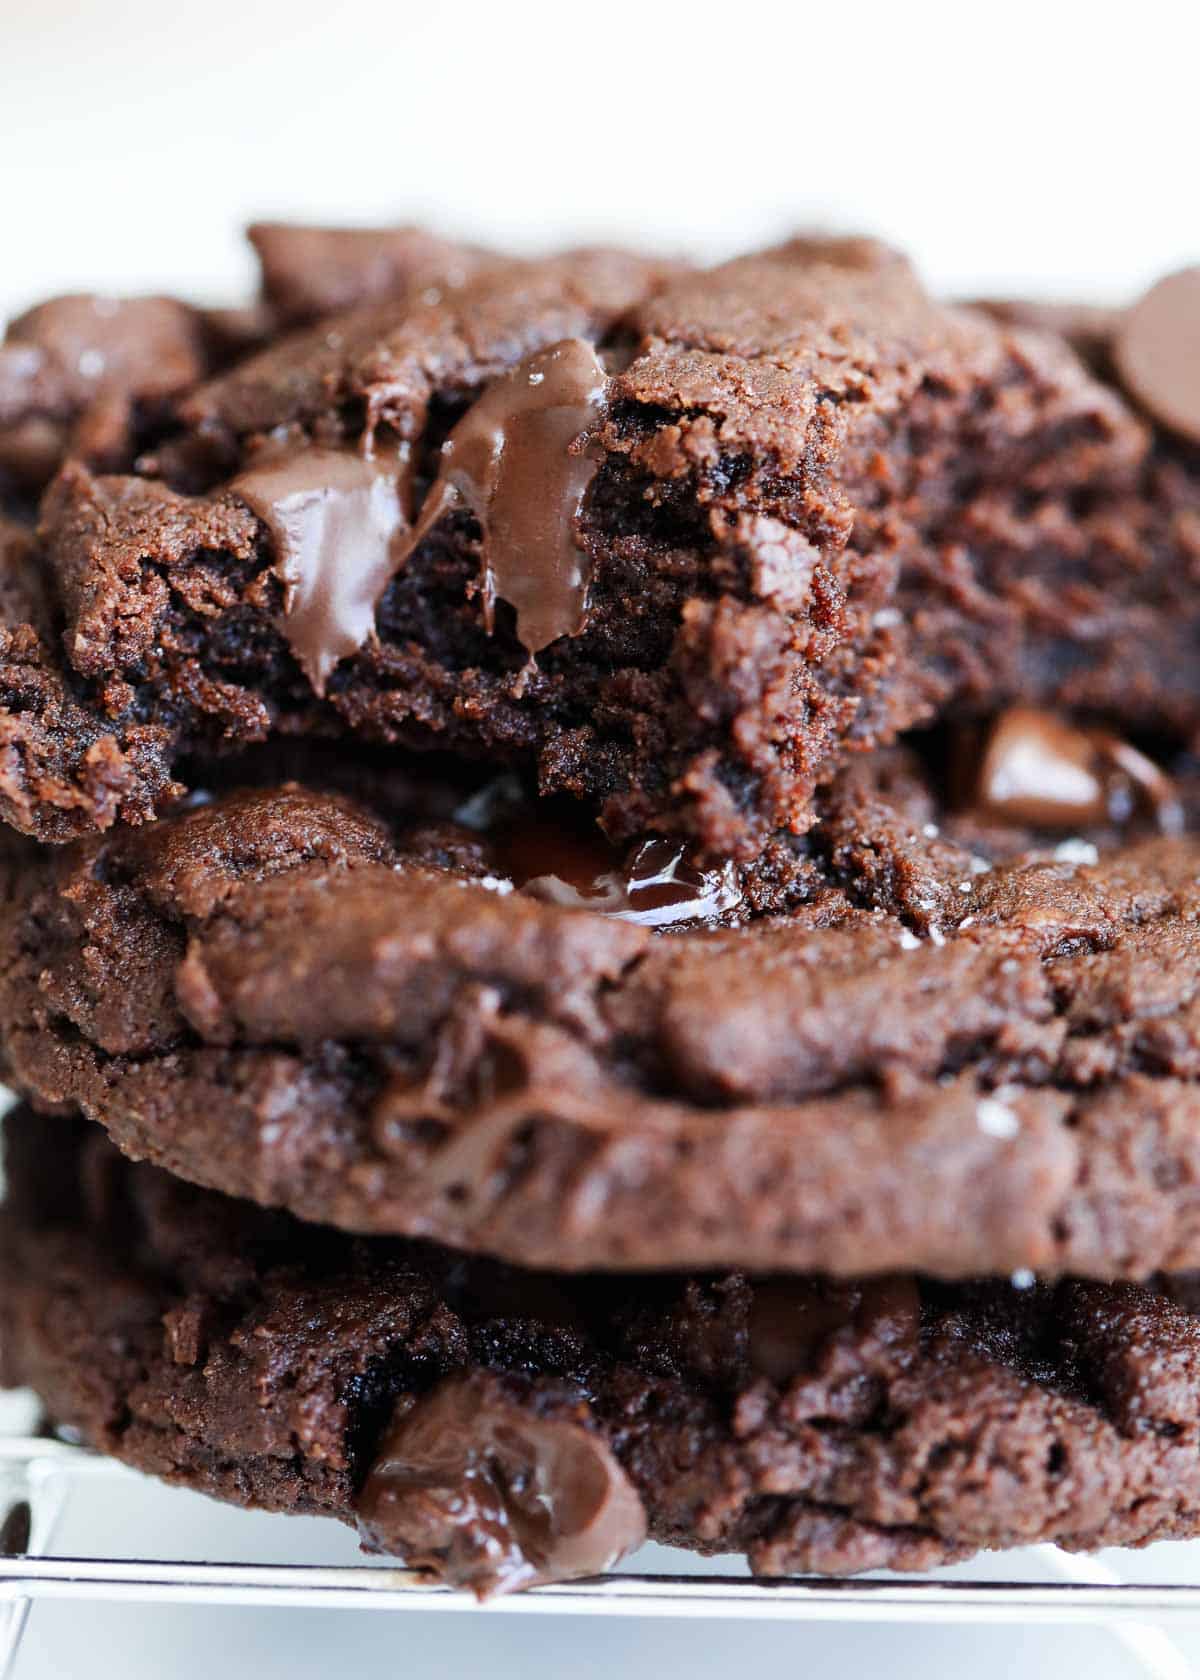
<point x="495" y="1494"/>
<point x="1157" y="352"/>
<point x="1041" y="770"/>
<point x="792" y="1319"/>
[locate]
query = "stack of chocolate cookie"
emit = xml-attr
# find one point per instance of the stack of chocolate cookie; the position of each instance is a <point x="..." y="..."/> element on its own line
<point x="614" y="849"/>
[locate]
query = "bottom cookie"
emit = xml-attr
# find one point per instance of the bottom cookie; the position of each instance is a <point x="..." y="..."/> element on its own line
<point x="502" y="1427"/>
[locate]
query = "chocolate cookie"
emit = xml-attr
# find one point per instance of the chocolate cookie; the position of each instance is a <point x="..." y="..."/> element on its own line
<point x="503" y="1428"/>
<point x="673" y="542"/>
<point x="447" y="1017"/>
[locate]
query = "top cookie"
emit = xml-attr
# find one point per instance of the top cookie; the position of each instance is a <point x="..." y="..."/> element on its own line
<point x="675" y="541"/>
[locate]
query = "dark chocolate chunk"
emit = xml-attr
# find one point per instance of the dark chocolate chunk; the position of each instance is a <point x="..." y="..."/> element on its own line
<point x="1157" y="352"/>
<point x="78" y="373"/>
<point x="469" y="1484"/>
<point x="520" y="461"/>
<point x="337" y="523"/>
<point x="791" y="1323"/>
<point x="658" y="885"/>
<point x="1039" y="771"/>
<point x="550" y="855"/>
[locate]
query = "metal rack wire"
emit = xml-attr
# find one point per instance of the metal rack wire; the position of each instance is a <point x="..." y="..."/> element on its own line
<point x="37" y="1476"/>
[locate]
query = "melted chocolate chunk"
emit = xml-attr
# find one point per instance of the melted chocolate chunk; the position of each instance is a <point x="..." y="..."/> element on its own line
<point x="519" y="462"/>
<point x="1157" y="352"/>
<point x="658" y="885"/>
<point x="547" y="852"/>
<point x="474" y="1486"/>
<point x="531" y="841"/>
<point x="335" y="520"/>
<point x="1036" y="769"/>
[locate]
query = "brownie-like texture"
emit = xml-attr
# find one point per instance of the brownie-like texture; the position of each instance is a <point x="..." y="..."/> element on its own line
<point x="46" y="723"/>
<point x="481" y="1031"/>
<point x="1148" y="348"/>
<point x="817" y="1426"/>
<point x="674" y="544"/>
<point x="1071" y="562"/>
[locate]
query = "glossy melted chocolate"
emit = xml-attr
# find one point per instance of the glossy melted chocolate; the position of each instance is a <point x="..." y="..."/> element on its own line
<point x="553" y="857"/>
<point x="519" y="461"/>
<point x="1039" y="770"/>
<point x="489" y="1494"/>
<point x="657" y="885"/>
<point x="336" y="521"/>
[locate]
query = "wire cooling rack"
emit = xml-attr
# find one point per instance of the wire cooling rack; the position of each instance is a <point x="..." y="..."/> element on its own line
<point x="39" y="1475"/>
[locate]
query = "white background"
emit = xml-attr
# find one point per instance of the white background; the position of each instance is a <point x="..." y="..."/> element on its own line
<point x="1045" y="148"/>
<point x="1009" y="145"/>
